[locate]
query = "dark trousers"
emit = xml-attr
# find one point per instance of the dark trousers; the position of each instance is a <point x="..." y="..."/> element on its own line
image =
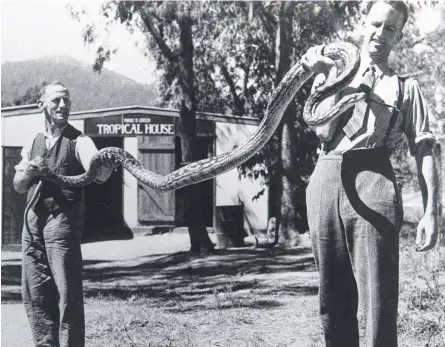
<point x="52" y="277"/>
<point x="355" y="215"/>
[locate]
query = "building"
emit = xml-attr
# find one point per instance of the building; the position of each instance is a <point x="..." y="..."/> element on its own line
<point x="123" y="207"/>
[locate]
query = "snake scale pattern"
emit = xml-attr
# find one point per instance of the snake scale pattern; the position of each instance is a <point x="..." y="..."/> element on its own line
<point x="210" y="167"/>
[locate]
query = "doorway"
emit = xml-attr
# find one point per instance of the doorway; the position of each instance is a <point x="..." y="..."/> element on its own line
<point x="103" y="203"/>
<point x="13" y="202"/>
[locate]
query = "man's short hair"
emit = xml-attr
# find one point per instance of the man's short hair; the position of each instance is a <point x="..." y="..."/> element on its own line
<point x="399" y="6"/>
<point x="54" y="83"/>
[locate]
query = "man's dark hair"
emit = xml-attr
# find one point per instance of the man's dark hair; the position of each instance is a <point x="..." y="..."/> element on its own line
<point x="54" y="83"/>
<point x="399" y="6"/>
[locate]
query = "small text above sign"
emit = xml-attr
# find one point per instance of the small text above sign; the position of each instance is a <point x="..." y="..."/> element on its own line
<point x="131" y="125"/>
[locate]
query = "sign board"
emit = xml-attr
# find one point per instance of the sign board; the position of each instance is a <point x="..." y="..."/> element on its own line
<point x="130" y="125"/>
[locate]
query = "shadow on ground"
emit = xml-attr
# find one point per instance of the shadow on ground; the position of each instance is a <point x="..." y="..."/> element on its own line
<point x="245" y="277"/>
<point x="248" y="277"/>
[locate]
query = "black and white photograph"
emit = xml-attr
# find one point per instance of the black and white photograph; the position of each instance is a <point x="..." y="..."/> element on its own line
<point x="222" y="173"/>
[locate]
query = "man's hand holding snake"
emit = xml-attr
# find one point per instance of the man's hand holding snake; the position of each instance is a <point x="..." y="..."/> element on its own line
<point x="32" y="168"/>
<point x="321" y="65"/>
<point x="108" y="161"/>
<point x="208" y="168"/>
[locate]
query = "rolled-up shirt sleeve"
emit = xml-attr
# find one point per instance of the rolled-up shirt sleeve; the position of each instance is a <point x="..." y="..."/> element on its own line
<point x="417" y="128"/>
<point x="26" y="153"/>
<point x="85" y="150"/>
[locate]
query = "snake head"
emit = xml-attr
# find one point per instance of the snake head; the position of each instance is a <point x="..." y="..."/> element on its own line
<point x="42" y="166"/>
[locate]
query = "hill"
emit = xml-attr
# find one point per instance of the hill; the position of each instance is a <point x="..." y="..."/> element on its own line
<point x="89" y="90"/>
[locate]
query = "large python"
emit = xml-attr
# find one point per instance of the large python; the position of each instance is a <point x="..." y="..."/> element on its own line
<point x="208" y="168"/>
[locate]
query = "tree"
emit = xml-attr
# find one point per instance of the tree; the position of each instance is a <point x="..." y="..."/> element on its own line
<point x="245" y="51"/>
<point x="420" y="55"/>
<point x="231" y="65"/>
<point x="170" y="29"/>
<point x="31" y="96"/>
<point x="304" y="24"/>
<point x="250" y="63"/>
<point x="263" y="41"/>
<point x="286" y="211"/>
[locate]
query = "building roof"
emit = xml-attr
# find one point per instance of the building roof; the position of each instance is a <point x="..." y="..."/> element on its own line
<point x="22" y="110"/>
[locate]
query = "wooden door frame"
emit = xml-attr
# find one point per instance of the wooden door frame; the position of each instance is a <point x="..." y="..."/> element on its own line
<point x="9" y="246"/>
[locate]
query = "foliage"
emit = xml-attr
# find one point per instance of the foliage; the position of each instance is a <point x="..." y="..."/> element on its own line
<point x="88" y="90"/>
<point x="420" y="56"/>
<point x="31" y="96"/>
<point x="422" y="288"/>
<point x="314" y="23"/>
<point x="234" y="61"/>
<point x="169" y="29"/>
<point x="234" y="44"/>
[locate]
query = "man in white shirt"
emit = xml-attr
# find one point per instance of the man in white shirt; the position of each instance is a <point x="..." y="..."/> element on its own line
<point x="354" y="206"/>
<point x="52" y="261"/>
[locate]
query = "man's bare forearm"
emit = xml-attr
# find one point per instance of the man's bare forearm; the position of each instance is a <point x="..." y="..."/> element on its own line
<point x="326" y="132"/>
<point x="427" y="231"/>
<point x="428" y="181"/>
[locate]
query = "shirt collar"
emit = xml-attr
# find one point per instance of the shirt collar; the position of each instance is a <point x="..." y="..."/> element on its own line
<point x="379" y="71"/>
<point x="57" y="132"/>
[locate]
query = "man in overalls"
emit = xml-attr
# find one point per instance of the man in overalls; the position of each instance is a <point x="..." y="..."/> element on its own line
<point x="52" y="261"/>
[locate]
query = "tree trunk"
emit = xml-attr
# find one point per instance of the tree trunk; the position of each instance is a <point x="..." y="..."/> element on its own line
<point x="199" y="238"/>
<point x="287" y="174"/>
<point x="288" y="233"/>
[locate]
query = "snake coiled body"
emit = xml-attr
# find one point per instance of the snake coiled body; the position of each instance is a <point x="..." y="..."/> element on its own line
<point x="208" y="168"/>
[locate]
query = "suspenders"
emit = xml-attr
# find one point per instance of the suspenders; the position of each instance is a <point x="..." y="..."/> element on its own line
<point x="396" y="110"/>
<point x="393" y="117"/>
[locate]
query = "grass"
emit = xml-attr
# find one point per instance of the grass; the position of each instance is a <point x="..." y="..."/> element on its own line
<point x="233" y="298"/>
<point x="422" y="294"/>
<point x="238" y="297"/>
<point x="138" y="324"/>
<point x="248" y="298"/>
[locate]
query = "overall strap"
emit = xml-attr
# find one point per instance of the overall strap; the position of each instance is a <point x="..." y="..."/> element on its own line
<point x="396" y="109"/>
<point x="38" y="147"/>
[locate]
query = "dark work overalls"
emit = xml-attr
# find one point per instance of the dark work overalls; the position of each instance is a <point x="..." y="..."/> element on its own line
<point x="52" y="266"/>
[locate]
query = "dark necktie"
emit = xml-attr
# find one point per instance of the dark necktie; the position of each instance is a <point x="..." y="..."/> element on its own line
<point x="355" y="123"/>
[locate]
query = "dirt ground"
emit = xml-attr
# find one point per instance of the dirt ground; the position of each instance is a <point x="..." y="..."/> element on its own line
<point x="151" y="292"/>
<point x="158" y="272"/>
